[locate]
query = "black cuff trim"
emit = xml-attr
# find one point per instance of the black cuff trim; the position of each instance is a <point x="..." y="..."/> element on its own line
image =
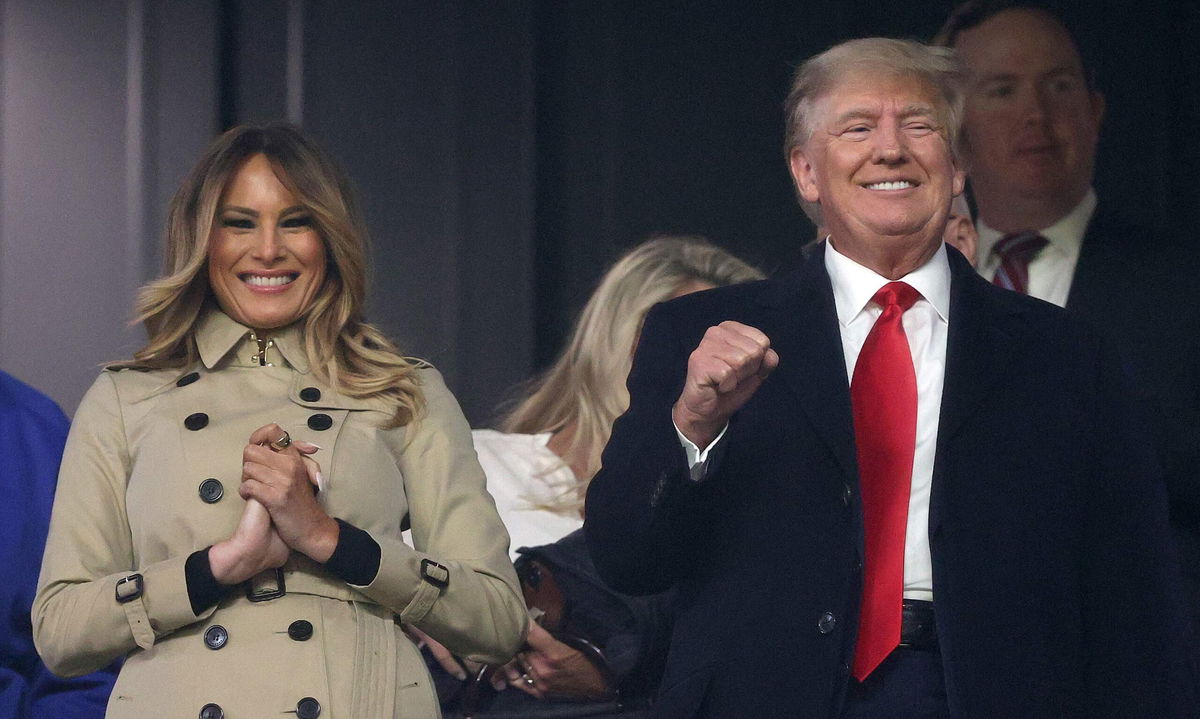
<point x="203" y="588"/>
<point x="355" y="559"/>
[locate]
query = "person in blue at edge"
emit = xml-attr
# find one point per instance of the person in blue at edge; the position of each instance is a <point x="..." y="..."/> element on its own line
<point x="32" y="432"/>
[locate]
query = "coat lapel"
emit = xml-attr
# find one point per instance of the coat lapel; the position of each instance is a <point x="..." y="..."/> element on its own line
<point x="801" y="322"/>
<point x="983" y="334"/>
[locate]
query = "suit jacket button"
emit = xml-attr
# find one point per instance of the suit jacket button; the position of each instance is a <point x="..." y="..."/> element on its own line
<point x="308" y="708"/>
<point x="826" y="623"/>
<point x="187" y="379"/>
<point x="196" y="421"/>
<point x="211" y="490"/>
<point x="300" y="630"/>
<point x="320" y="422"/>
<point x="211" y="711"/>
<point x="847" y="494"/>
<point x="215" y="637"/>
<point x="310" y="394"/>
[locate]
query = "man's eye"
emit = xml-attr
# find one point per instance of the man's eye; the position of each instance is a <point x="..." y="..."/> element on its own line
<point x="999" y="91"/>
<point x="919" y="128"/>
<point x="239" y="223"/>
<point x="297" y="221"/>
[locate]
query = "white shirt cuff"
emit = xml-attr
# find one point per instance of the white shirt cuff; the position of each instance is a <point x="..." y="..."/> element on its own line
<point x="698" y="458"/>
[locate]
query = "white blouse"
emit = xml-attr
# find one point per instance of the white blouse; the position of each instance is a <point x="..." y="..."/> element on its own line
<point x="523" y="476"/>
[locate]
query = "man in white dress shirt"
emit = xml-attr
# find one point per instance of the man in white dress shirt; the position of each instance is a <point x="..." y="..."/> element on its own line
<point x="882" y="486"/>
<point x="1032" y="125"/>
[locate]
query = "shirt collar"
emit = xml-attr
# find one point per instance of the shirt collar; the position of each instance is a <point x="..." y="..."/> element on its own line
<point x="1064" y="236"/>
<point x="217" y="334"/>
<point x="855" y="285"/>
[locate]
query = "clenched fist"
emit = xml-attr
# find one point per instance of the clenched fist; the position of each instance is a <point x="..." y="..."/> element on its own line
<point x="724" y="371"/>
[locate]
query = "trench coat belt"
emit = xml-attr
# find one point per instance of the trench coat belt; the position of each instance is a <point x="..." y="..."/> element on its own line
<point x="302" y="580"/>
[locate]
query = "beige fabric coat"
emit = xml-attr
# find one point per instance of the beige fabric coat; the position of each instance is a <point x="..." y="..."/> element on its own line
<point x="129" y="501"/>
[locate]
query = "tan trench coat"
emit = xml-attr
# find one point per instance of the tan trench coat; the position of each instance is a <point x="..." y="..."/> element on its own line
<point x="129" y="500"/>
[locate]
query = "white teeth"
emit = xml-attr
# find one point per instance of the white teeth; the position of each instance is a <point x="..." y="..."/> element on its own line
<point x="261" y="281"/>
<point x="898" y="185"/>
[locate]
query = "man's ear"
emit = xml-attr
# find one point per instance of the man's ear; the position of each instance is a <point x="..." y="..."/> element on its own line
<point x="959" y="181"/>
<point x="804" y="175"/>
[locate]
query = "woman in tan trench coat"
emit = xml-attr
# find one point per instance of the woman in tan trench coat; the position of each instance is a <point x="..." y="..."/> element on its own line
<point x="229" y="504"/>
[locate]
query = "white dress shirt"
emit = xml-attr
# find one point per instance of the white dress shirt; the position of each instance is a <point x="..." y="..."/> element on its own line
<point x="1050" y="273"/>
<point x="925" y="325"/>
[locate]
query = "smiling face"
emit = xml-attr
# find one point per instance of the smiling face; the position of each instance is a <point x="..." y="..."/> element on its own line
<point x="266" y="260"/>
<point x="1032" y="123"/>
<point x="880" y="166"/>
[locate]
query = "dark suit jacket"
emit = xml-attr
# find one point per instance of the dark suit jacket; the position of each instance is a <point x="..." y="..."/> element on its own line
<point x="1056" y="584"/>
<point x="1138" y="286"/>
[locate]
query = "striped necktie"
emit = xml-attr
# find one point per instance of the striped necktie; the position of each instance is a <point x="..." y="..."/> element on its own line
<point x="1016" y="251"/>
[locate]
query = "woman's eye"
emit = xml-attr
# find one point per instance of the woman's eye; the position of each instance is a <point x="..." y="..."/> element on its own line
<point x="297" y="221"/>
<point x="238" y="223"/>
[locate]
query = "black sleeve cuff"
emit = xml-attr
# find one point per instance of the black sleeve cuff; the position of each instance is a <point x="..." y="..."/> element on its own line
<point x="355" y="559"/>
<point x="202" y="587"/>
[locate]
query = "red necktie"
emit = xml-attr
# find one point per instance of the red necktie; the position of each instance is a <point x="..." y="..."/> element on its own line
<point x="1016" y="251"/>
<point x="884" y="396"/>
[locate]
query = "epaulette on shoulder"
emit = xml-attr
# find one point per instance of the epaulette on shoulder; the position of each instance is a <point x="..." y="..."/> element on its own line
<point x="122" y="366"/>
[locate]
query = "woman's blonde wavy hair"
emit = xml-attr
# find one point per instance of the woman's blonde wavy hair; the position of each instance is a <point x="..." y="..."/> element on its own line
<point x="343" y="350"/>
<point x="586" y="384"/>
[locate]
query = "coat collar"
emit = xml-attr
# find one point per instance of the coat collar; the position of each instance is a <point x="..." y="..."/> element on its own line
<point x="217" y="334"/>
<point x="801" y="320"/>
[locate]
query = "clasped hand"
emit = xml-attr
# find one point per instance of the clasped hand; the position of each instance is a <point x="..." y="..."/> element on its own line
<point x="282" y="513"/>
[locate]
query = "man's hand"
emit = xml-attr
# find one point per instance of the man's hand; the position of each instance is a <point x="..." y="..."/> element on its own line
<point x="724" y="371"/>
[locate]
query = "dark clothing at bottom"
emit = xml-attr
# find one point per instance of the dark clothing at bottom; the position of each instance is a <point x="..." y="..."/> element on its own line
<point x="909" y="684"/>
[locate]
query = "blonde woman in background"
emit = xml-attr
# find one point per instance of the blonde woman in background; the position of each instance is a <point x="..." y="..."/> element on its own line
<point x="539" y="466"/>
<point x="230" y="502"/>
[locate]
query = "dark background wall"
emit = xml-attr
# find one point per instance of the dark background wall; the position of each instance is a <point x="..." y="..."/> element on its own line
<point x="506" y="152"/>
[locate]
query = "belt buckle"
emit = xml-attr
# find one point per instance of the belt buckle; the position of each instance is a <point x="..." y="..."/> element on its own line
<point x="260" y="589"/>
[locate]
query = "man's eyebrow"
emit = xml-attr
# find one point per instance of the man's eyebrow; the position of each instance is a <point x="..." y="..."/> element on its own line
<point x="857" y="113"/>
<point x="918" y="108"/>
<point x="1013" y="77"/>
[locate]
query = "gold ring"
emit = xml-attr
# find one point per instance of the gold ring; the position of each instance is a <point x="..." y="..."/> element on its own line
<point x="528" y="679"/>
<point x="282" y="443"/>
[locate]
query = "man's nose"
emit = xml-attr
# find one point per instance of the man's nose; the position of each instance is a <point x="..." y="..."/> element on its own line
<point x="890" y="144"/>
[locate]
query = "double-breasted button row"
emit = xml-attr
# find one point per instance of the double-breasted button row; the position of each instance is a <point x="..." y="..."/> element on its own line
<point x="211" y="490"/>
<point x="319" y="421"/>
<point x="216" y="637"/>
<point x="306" y="708"/>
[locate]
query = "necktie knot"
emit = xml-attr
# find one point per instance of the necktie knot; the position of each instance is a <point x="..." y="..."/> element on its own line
<point x="1016" y="251"/>
<point x="1019" y="246"/>
<point x="898" y="294"/>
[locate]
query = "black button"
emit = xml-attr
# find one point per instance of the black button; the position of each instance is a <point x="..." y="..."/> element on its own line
<point x="320" y="422"/>
<point x="211" y="711"/>
<point x="847" y="495"/>
<point x="310" y="394"/>
<point x="215" y="637"/>
<point x="187" y="379"/>
<point x="308" y="708"/>
<point x="196" y="421"/>
<point x="826" y="623"/>
<point x="300" y="630"/>
<point x="211" y="490"/>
